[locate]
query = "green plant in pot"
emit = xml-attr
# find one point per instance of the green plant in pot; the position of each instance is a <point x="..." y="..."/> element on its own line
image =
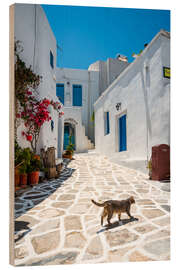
<point x="33" y="171"/>
<point x="25" y="156"/>
<point x="23" y="174"/>
<point x="22" y="160"/>
<point x="17" y="164"/>
<point x="69" y="149"/>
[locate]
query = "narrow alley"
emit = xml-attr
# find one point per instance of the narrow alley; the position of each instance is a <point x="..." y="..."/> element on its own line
<point x="56" y="222"/>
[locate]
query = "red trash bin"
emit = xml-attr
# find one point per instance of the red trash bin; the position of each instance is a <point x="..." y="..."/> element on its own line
<point x="160" y="162"/>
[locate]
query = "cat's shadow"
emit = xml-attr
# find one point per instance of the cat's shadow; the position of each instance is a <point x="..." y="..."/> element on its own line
<point x="117" y="224"/>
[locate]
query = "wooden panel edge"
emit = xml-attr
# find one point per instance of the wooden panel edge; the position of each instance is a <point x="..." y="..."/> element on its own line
<point x="11" y="135"/>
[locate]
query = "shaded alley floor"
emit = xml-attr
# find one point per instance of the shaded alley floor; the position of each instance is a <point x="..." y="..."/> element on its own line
<point x="56" y="223"/>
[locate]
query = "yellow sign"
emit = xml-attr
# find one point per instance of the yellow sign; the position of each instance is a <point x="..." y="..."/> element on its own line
<point x="166" y="72"/>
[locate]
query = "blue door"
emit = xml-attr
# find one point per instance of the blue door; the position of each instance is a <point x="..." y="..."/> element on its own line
<point x="67" y="135"/>
<point x="122" y="134"/>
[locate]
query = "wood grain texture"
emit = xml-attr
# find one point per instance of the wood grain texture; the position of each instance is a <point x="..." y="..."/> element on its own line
<point x="11" y="134"/>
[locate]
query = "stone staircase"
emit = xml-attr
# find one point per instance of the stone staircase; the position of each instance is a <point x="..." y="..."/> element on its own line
<point x="89" y="143"/>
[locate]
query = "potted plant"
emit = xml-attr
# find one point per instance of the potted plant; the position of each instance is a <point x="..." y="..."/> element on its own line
<point x="69" y="149"/>
<point x="23" y="175"/>
<point x="33" y="171"/>
<point x="24" y="157"/>
<point x="18" y="162"/>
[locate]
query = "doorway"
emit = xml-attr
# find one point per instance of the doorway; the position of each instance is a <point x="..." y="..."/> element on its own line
<point x="69" y="130"/>
<point x="122" y="133"/>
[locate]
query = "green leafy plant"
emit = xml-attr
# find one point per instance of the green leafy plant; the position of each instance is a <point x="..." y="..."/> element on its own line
<point x="92" y="117"/>
<point x="22" y="157"/>
<point x="70" y="147"/>
<point x="35" y="165"/>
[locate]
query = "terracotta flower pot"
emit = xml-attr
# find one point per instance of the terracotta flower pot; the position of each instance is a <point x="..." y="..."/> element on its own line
<point x="17" y="177"/>
<point x="33" y="178"/>
<point x="67" y="156"/>
<point x="23" y="179"/>
<point x="37" y="157"/>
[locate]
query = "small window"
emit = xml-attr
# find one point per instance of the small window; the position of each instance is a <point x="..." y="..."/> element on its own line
<point x="60" y="92"/>
<point x="106" y="123"/>
<point x="77" y="95"/>
<point x="51" y="60"/>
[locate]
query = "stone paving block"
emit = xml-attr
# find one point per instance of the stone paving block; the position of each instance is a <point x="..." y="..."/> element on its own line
<point x="158" y="247"/>
<point x="157" y="235"/>
<point x="117" y="255"/>
<point x="145" y="228"/>
<point x="60" y="258"/>
<point x="163" y="221"/>
<point x="79" y="208"/>
<point x="72" y="223"/>
<point x="50" y="213"/>
<point x="142" y="191"/>
<point x="152" y="213"/>
<point x="144" y="202"/>
<point x="47" y="226"/>
<point x="137" y="256"/>
<point x="46" y="242"/>
<point x="75" y="240"/>
<point x="95" y="248"/>
<point x="121" y="237"/>
<point x="63" y="205"/>
<point x="66" y="197"/>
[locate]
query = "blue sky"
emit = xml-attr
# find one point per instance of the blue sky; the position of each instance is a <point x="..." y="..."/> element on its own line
<point x="89" y="34"/>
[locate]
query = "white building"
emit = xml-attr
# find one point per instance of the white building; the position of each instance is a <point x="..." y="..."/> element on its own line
<point x="130" y="100"/>
<point x="133" y="114"/>
<point x="78" y="90"/>
<point x="39" y="51"/>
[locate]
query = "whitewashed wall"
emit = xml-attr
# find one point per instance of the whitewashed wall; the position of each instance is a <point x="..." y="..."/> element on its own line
<point x="33" y="30"/>
<point x="144" y="97"/>
<point x="89" y="81"/>
<point x="108" y="71"/>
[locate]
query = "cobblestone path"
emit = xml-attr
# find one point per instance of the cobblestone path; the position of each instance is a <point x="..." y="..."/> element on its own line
<point x="56" y="223"/>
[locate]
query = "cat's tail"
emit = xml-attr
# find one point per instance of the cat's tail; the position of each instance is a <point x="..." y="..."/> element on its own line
<point x="99" y="204"/>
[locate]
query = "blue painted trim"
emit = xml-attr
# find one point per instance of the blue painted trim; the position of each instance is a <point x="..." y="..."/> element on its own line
<point x="51" y="59"/>
<point x="107" y="123"/>
<point x="77" y="95"/>
<point x="60" y="92"/>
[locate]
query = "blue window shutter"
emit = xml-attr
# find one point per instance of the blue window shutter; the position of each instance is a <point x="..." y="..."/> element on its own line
<point x="77" y="95"/>
<point x="51" y="60"/>
<point x="60" y="92"/>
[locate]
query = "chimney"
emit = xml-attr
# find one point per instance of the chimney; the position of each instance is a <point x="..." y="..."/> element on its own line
<point x="121" y="57"/>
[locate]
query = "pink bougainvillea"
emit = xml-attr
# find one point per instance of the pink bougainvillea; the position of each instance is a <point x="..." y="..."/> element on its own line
<point x="35" y="113"/>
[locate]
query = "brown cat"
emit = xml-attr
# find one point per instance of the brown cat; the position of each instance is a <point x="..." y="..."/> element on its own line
<point x="113" y="206"/>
